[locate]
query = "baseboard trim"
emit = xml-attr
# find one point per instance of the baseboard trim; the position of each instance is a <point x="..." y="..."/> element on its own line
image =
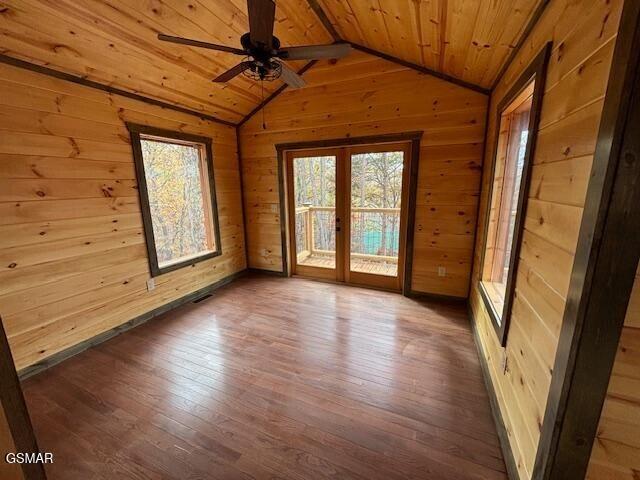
<point x="145" y="317"/>
<point x="505" y="445"/>
<point x="262" y="271"/>
<point x="436" y="297"/>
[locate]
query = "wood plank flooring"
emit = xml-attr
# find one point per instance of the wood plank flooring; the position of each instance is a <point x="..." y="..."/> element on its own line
<point x="274" y="378"/>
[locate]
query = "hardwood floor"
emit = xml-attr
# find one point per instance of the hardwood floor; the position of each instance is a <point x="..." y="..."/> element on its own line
<point x="275" y="378"/>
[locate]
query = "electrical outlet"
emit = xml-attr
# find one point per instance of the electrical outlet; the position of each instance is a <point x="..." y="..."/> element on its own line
<point x="442" y="272"/>
<point x="151" y="284"/>
<point x="274" y="207"/>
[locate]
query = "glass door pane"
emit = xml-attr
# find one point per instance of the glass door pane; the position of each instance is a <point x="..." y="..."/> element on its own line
<point x="314" y="184"/>
<point x="376" y="193"/>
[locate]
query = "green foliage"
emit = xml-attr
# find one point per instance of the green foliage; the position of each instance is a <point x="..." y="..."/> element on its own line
<point x="176" y="202"/>
<point x="376" y="182"/>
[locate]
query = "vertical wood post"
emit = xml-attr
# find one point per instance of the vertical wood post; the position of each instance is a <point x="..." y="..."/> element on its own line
<point x="310" y="232"/>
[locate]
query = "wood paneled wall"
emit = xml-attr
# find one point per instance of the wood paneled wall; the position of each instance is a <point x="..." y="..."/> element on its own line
<point x="583" y="35"/>
<point x="364" y="95"/>
<point x="115" y="42"/>
<point x="73" y="259"/>
<point x="616" y="450"/>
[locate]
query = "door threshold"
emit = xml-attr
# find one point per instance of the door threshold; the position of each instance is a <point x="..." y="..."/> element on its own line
<point x="349" y="284"/>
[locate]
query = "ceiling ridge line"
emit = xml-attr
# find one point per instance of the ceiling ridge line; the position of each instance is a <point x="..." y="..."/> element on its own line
<point x="324" y="19"/>
<point x="69" y="77"/>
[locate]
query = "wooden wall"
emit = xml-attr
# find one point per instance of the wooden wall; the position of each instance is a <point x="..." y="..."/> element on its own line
<point x="364" y="95"/>
<point x="73" y="258"/>
<point x="115" y="42"/>
<point x="616" y="450"/>
<point x="583" y="35"/>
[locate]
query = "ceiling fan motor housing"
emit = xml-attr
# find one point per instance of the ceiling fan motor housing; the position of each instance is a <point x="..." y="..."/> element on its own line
<point x="264" y="67"/>
<point x="265" y="60"/>
<point x="260" y="50"/>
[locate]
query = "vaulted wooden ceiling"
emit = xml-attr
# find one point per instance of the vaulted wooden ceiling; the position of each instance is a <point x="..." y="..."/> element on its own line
<point x="114" y="41"/>
<point x="467" y="39"/>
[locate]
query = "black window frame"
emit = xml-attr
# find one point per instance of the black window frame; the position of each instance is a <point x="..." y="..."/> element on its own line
<point x="536" y="71"/>
<point x="136" y="131"/>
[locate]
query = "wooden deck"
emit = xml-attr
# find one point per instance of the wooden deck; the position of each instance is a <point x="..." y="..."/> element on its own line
<point x="357" y="265"/>
<point x="275" y="378"/>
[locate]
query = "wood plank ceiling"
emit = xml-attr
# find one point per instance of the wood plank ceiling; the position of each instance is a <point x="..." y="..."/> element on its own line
<point x="114" y="41"/>
<point x="467" y="39"/>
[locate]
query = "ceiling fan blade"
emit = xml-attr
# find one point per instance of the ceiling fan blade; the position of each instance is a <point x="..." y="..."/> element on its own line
<point x="290" y="77"/>
<point x="315" y="52"/>
<point x="232" y="72"/>
<point x="198" y="43"/>
<point x="262" y="14"/>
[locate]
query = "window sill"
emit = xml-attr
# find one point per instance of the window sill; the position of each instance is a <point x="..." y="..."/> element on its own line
<point x="184" y="262"/>
<point x="496" y="318"/>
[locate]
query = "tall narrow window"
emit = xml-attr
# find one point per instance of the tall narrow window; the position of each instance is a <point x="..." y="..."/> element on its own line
<point x="518" y="120"/>
<point x="177" y="193"/>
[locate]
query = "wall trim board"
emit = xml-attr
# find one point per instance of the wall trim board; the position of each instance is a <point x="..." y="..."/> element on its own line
<point x="322" y="16"/>
<point x="413" y="137"/>
<point x="434" y="297"/>
<point x="16" y="413"/>
<point x="326" y="23"/>
<point x="603" y="271"/>
<point x="422" y="69"/>
<point x="16" y="62"/>
<point x="262" y="271"/>
<point x="350" y="141"/>
<point x="139" y="320"/>
<point x="496" y="413"/>
<point x="523" y="37"/>
<point x="411" y="217"/>
<point x="107" y="88"/>
<point x="244" y="215"/>
<point x="487" y="119"/>
<point x="273" y="95"/>
<point x="282" y="206"/>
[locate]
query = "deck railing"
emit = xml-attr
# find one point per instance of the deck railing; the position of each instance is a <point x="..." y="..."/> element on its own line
<point x="374" y="232"/>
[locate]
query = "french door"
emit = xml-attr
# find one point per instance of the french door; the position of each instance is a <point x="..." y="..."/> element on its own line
<point x="347" y="215"/>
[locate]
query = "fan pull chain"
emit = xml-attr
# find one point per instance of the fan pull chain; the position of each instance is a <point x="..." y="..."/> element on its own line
<point x="264" y="125"/>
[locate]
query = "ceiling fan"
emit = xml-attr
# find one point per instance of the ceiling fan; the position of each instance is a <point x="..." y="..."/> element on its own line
<point x="263" y="51"/>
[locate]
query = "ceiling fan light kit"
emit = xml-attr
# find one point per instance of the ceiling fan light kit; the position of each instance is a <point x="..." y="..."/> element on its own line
<point x="264" y="55"/>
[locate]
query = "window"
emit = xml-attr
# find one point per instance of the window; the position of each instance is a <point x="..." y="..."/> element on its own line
<point x="517" y="125"/>
<point x="177" y="195"/>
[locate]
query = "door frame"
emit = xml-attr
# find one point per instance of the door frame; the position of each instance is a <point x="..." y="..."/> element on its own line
<point x="332" y="274"/>
<point x="412" y="138"/>
<point x="369" y="279"/>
